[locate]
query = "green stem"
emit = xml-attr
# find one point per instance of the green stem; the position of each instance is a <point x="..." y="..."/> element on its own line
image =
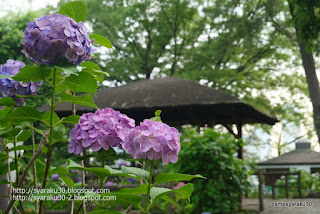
<point x="16" y="158"/>
<point x="149" y="185"/>
<point x="51" y="126"/>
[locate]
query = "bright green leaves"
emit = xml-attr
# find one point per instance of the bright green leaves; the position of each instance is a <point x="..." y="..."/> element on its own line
<point x="32" y="73"/>
<point x="141" y="173"/>
<point x="95" y="70"/>
<point x="7" y="101"/>
<point x="100" y="172"/>
<point x="85" y="100"/>
<point x="24" y="113"/>
<point x="76" y="10"/>
<point x="157" y="116"/>
<point x="73" y="119"/>
<point x="167" y="177"/>
<point x="101" y="40"/>
<point x="84" y="82"/>
<point x="68" y="181"/>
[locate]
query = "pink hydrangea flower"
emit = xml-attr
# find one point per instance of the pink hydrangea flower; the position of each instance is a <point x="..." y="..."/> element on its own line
<point x="180" y="184"/>
<point x="101" y="129"/>
<point x="153" y="140"/>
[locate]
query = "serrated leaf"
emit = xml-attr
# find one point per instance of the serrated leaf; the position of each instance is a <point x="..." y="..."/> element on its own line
<point x="55" y="119"/>
<point x="141" y="173"/>
<point x="167" y="177"/>
<point x="76" y="10"/>
<point x="68" y="70"/>
<point x="124" y="198"/>
<point x="73" y="119"/>
<point x="170" y="200"/>
<point x="32" y="73"/>
<point x="98" y="74"/>
<point x="142" y="189"/>
<point x="95" y="170"/>
<point x="4" y="112"/>
<point x="7" y="101"/>
<point x="24" y="135"/>
<point x="84" y="82"/>
<point x="24" y="113"/>
<point x="8" y="132"/>
<point x="85" y="100"/>
<point x="92" y="65"/>
<point x="185" y="191"/>
<point x="156" y="192"/>
<point x="101" y="40"/>
<point x="68" y="181"/>
<point x="58" y="170"/>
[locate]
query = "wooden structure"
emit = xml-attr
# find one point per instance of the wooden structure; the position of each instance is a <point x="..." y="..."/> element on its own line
<point x="181" y="101"/>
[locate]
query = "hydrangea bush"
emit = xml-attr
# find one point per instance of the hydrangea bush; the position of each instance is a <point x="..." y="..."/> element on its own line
<point x="59" y="46"/>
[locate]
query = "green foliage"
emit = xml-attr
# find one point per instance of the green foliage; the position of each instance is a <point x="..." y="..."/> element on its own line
<point x="76" y="10"/>
<point x="101" y="40"/>
<point x="32" y="73"/>
<point x="85" y="100"/>
<point x="212" y="155"/>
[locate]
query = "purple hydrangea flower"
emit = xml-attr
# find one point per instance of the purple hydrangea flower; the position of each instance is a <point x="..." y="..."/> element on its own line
<point x="74" y="170"/>
<point x="153" y="140"/>
<point x="10" y="87"/>
<point x="101" y="129"/>
<point x="55" y="177"/>
<point x="55" y="39"/>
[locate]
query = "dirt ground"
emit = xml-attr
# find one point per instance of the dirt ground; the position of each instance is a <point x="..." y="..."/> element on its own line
<point x="253" y="204"/>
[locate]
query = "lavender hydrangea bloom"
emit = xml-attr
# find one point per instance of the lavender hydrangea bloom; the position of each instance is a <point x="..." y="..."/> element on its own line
<point x="10" y="87"/>
<point x="55" y="177"/>
<point x="101" y="129"/>
<point x="153" y="140"/>
<point x="55" y="39"/>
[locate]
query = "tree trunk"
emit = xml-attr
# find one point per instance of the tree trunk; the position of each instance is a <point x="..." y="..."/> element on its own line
<point x="311" y="76"/>
<point x="313" y="84"/>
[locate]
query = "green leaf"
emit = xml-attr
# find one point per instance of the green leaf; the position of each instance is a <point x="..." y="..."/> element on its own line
<point x="105" y="212"/>
<point x="73" y="119"/>
<point x="4" y="181"/>
<point x="24" y="135"/>
<point x="8" y="132"/>
<point x="156" y="192"/>
<point x="68" y="69"/>
<point x="68" y="181"/>
<point x="32" y="73"/>
<point x="58" y="170"/>
<point x="29" y="148"/>
<point x="84" y="82"/>
<point x="76" y="10"/>
<point x="98" y="74"/>
<point x="24" y="113"/>
<point x="141" y="173"/>
<point x="55" y="119"/>
<point x="95" y="170"/>
<point x="170" y="200"/>
<point x="157" y="116"/>
<point x="92" y="65"/>
<point x="142" y="189"/>
<point x="85" y="100"/>
<point x="7" y="101"/>
<point x="4" y="112"/>
<point x="124" y="198"/>
<point x="159" y="192"/>
<point x="101" y="40"/>
<point x="185" y="191"/>
<point x="5" y="76"/>
<point x="167" y="177"/>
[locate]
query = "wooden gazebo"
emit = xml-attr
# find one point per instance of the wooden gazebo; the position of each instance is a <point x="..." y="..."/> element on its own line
<point x="181" y="101"/>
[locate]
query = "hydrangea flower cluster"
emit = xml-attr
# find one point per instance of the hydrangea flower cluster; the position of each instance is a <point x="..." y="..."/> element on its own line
<point x="101" y="129"/>
<point x="153" y="140"/>
<point x="10" y="87"/>
<point x="55" y="39"/>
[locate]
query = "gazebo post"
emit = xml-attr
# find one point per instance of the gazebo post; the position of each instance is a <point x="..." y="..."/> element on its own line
<point x="239" y="136"/>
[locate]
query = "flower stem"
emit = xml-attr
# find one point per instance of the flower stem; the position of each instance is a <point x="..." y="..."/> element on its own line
<point x="49" y="153"/>
<point x="149" y="185"/>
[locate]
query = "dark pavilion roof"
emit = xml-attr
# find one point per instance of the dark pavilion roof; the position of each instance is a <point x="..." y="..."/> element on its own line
<point x="181" y="102"/>
<point x="302" y="155"/>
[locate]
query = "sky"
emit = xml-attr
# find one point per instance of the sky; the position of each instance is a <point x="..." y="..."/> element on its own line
<point x="21" y="5"/>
